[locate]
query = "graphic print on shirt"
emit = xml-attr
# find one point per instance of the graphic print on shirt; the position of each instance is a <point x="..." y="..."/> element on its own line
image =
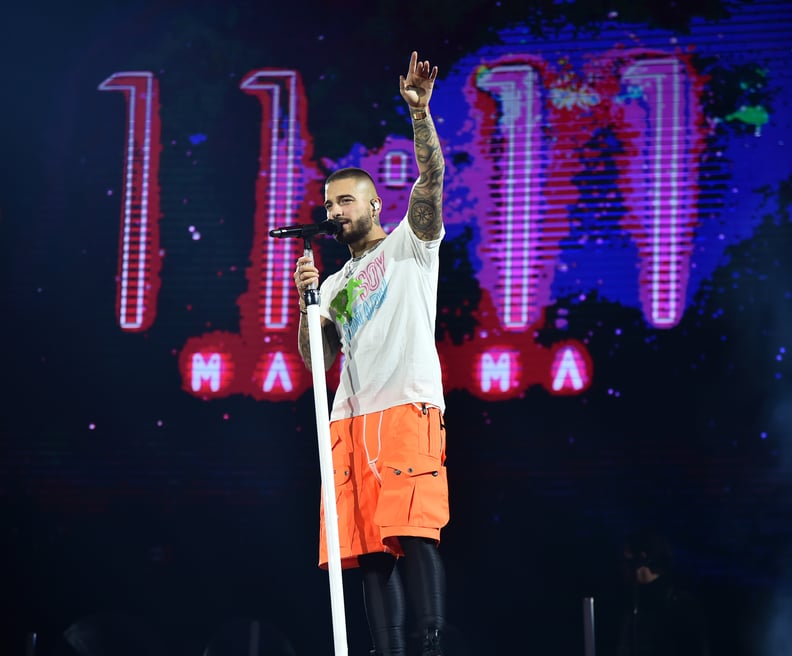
<point x="359" y="299"/>
<point x="342" y="303"/>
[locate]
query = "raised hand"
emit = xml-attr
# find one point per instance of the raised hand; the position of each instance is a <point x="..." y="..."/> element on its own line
<point x="416" y="87"/>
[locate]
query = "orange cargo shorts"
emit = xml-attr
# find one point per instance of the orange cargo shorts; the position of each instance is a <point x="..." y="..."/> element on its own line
<point x="390" y="480"/>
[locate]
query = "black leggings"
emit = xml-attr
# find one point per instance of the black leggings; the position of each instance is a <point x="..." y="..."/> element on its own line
<point x="384" y="599"/>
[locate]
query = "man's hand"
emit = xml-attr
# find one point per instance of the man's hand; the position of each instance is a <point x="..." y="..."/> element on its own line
<point x="306" y="276"/>
<point x="416" y="88"/>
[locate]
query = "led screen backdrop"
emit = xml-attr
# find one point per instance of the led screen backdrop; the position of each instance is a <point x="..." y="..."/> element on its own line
<point x="613" y="319"/>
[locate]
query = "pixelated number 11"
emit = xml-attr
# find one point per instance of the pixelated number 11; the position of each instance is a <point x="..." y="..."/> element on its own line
<point x="657" y="124"/>
<point x="659" y="189"/>
<point x="276" y="196"/>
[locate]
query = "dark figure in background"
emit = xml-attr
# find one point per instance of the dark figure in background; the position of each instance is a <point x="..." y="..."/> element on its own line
<point x="660" y="618"/>
<point x="386" y="424"/>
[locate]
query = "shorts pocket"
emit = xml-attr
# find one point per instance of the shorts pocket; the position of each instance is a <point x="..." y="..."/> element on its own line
<point x="342" y="466"/>
<point x="344" y="495"/>
<point x="432" y="443"/>
<point x="414" y="493"/>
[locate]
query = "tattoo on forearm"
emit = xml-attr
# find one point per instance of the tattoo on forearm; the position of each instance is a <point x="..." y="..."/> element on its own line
<point x="304" y="343"/>
<point x="425" y="212"/>
<point x="330" y="343"/>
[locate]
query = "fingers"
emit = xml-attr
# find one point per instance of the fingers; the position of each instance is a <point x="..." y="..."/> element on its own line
<point x="421" y="69"/>
<point x="416" y="86"/>
<point x="306" y="275"/>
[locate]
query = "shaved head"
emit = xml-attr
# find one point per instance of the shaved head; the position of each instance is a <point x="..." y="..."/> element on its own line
<point x="351" y="173"/>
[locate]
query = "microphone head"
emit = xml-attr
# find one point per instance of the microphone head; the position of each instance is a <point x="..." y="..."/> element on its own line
<point x="330" y="227"/>
<point x="308" y="230"/>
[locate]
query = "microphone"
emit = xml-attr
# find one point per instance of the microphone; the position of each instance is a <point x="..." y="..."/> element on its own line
<point x="327" y="227"/>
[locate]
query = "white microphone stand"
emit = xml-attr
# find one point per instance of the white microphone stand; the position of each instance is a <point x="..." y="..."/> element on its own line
<point x="311" y="297"/>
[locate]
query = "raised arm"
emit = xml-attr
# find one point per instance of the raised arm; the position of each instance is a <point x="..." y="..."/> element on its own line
<point x="425" y="212"/>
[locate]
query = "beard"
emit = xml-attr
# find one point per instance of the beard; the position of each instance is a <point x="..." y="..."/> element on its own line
<point x="358" y="229"/>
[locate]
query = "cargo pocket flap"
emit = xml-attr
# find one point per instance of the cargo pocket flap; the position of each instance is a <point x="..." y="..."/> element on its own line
<point x="421" y="464"/>
<point x="341" y="468"/>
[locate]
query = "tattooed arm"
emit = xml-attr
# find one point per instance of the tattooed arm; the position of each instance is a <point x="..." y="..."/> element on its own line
<point x="425" y="212"/>
<point x="307" y="275"/>
<point x="330" y="342"/>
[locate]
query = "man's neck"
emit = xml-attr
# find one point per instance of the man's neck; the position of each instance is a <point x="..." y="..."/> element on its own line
<point x="364" y="245"/>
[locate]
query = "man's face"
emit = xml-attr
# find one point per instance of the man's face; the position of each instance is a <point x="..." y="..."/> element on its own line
<point x="348" y="202"/>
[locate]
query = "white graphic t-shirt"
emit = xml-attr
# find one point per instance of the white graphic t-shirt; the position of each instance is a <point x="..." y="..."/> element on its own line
<point x="384" y="307"/>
